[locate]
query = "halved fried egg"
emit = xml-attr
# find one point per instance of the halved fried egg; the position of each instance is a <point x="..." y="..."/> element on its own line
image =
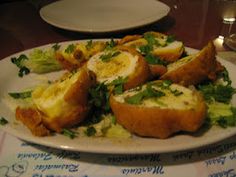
<point x="120" y="62"/>
<point x="64" y="103"/>
<point x="160" y="45"/>
<point x="75" y="55"/>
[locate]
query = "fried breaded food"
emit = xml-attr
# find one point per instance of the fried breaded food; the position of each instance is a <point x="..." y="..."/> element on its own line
<point x="159" y="110"/>
<point x="157" y="70"/>
<point x="59" y="105"/>
<point x="161" y="45"/>
<point x="33" y="119"/>
<point x="78" y="54"/>
<point x="194" y="69"/>
<point x="120" y="62"/>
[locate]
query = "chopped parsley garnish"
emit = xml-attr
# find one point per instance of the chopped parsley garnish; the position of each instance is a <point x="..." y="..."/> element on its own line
<point x="170" y="39"/>
<point x="149" y="92"/>
<point x="99" y="98"/>
<point x="90" y="131"/>
<point x="165" y="84"/>
<point x="220" y="93"/>
<point x="89" y="44"/>
<point x="70" y="48"/>
<point x="225" y="75"/>
<point x="151" y="42"/>
<point x="113" y="119"/>
<point x="18" y="62"/>
<point x="154" y="60"/>
<point x="3" y="121"/>
<point x="71" y="134"/>
<point x="23" y="71"/>
<point x="109" y="55"/>
<point x="135" y="99"/>
<point x="176" y="92"/>
<point x="110" y="45"/>
<point x="56" y="47"/>
<point x="20" y="95"/>
<point x="119" y="84"/>
<point x="228" y="121"/>
<point x="150" y="38"/>
<point x="146" y="49"/>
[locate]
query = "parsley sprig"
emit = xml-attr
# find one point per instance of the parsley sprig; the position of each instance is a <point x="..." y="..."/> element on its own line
<point x="56" y="47"/>
<point x="89" y="44"/>
<point x="18" y="62"/>
<point x="67" y="132"/>
<point x="20" y="95"/>
<point x="170" y="39"/>
<point x="118" y="84"/>
<point x="148" y="48"/>
<point x="90" y="131"/>
<point x="154" y="60"/>
<point x="98" y="102"/>
<point x="109" y="55"/>
<point x="70" y="48"/>
<point x="110" y="44"/>
<point x="3" y="121"/>
<point x="221" y="93"/>
<point x="148" y="92"/>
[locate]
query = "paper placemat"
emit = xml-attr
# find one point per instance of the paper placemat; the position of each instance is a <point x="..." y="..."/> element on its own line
<point x="22" y="159"/>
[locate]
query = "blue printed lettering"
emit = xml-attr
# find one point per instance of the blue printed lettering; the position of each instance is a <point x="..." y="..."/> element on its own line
<point x="226" y="173"/>
<point x="219" y="160"/>
<point x="143" y="170"/>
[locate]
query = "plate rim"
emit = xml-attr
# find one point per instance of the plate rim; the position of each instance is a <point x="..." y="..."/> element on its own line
<point x="43" y="15"/>
<point x="44" y="141"/>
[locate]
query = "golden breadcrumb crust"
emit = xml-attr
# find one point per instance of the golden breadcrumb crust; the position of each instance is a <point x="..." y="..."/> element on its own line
<point x="204" y="66"/>
<point x="157" y="122"/>
<point x="157" y="70"/>
<point x="169" y="55"/>
<point x="76" y="96"/>
<point x="33" y="120"/>
<point x="80" y="55"/>
<point x="141" y="73"/>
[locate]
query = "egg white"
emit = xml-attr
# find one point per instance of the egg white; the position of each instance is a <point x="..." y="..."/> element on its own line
<point x="50" y="98"/>
<point x="186" y="100"/>
<point x="121" y="65"/>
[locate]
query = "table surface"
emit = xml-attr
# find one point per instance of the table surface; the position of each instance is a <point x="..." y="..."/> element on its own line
<point x="193" y="22"/>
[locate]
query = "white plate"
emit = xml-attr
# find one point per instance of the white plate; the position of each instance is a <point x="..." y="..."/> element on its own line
<point x="10" y="81"/>
<point x="103" y="15"/>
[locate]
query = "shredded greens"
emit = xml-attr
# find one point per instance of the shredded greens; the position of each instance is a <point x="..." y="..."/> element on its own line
<point x="222" y="114"/>
<point x="38" y="61"/>
<point x="218" y="96"/>
<point x="220" y="93"/>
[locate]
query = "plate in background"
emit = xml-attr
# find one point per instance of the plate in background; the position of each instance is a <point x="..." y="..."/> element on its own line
<point x="96" y="16"/>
